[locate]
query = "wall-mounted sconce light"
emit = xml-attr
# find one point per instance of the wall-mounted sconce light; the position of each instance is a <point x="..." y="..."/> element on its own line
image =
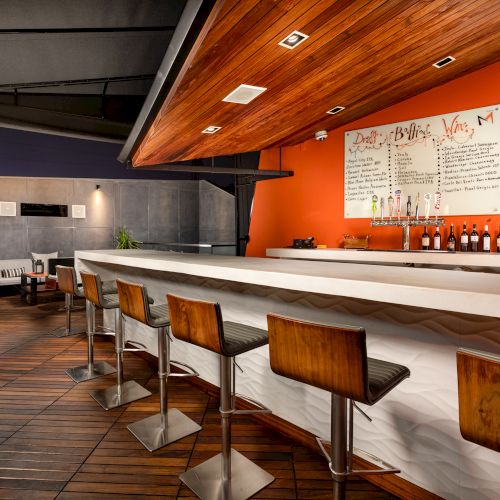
<point x="97" y="187"/>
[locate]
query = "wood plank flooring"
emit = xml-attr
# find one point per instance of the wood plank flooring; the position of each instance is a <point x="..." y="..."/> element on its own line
<point x="57" y="442"/>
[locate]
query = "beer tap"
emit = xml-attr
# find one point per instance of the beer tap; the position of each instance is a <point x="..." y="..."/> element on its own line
<point x="427" y="198"/>
<point x="398" y="203"/>
<point x="437" y="203"/>
<point x="390" y="203"/>
<point x="417" y="206"/>
<point x="374" y="206"/>
<point x="382" y="208"/>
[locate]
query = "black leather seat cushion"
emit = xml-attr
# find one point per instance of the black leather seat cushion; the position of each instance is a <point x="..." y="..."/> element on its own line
<point x="159" y="316"/>
<point x="240" y="338"/>
<point x="109" y="287"/>
<point x="110" y="301"/>
<point x="384" y="376"/>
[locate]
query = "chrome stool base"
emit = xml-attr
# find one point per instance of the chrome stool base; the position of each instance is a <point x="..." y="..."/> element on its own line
<point x="247" y="478"/>
<point x="130" y="391"/>
<point x="66" y="332"/>
<point x="82" y="373"/>
<point x="154" y="434"/>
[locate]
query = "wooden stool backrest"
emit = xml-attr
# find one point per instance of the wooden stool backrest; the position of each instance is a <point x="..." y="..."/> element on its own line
<point x="92" y="287"/>
<point x="66" y="279"/>
<point x="133" y="299"/>
<point x="329" y="357"/>
<point x="479" y="397"/>
<point x="197" y="322"/>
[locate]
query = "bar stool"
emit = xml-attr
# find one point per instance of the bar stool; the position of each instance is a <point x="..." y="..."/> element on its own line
<point x="334" y="358"/>
<point x="68" y="283"/>
<point x="169" y="425"/>
<point x="94" y="293"/>
<point x="123" y="392"/>
<point x="228" y="475"/>
<point x="479" y="397"/>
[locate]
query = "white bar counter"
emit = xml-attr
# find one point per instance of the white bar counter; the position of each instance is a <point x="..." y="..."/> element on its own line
<point x="430" y="257"/>
<point x="474" y="293"/>
<point x="413" y="316"/>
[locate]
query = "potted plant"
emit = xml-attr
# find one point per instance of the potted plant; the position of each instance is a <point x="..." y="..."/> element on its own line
<point x="124" y="239"/>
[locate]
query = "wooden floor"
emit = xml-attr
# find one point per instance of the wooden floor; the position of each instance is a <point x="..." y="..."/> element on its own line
<point x="56" y="442"/>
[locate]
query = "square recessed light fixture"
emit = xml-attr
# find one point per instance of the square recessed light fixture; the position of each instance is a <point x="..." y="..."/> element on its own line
<point x="211" y="129"/>
<point x="244" y="94"/>
<point x="293" y="39"/>
<point x="444" y="62"/>
<point x="335" y="110"/>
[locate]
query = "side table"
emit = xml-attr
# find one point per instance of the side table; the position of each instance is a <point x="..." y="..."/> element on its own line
<point x="30" y="286"/>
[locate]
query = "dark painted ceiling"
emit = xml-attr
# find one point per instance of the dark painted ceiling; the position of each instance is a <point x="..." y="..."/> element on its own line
<point x="81" y="68"/>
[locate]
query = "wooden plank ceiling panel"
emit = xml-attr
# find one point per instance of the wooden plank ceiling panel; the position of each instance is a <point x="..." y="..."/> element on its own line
<point x="363" y="54"/>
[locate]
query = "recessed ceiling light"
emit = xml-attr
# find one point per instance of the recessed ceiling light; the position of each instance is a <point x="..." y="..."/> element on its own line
<point x="335" y="110"/>
<point x="444" y="62"/>
<point x="211" y="129"/>
<point x="293" y="39"/>
<point x="244" y="94"/>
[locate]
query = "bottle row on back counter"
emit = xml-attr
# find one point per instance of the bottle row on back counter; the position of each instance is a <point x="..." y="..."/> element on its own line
<point x="472" y="242"/>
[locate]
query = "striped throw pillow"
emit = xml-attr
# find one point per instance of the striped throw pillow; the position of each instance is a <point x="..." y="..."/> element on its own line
<point x="13" y="273"/>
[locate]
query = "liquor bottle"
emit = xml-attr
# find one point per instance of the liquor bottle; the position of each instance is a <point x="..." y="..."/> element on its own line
<point x="474" y="239"/>
<point x="464" y="239"/>
<point x="437" y="239"/>
<point x="486" y="240"/>
<point x="426" y="240"/>
<point x="451" y="244"/>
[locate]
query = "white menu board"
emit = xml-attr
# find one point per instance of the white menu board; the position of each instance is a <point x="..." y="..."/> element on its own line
<point x="457" y="154"/>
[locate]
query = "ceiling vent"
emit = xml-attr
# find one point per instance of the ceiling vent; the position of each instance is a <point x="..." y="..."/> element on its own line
<point x="293" y="39"/>
<point x="335" y="110"/>
<point x="211" y="129"/>
<point x="444" y="62"/>
<point x="244" y="94"/>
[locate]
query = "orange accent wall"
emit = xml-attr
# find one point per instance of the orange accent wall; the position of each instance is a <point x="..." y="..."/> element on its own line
<point x="312" y="202"/>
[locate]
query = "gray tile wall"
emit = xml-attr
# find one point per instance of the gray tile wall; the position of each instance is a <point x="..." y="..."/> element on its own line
<point x="217" y="222"/>
<point x="154" y="211"/>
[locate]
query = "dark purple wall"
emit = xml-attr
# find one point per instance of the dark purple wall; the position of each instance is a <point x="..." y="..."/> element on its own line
<point x="30" y="154"/>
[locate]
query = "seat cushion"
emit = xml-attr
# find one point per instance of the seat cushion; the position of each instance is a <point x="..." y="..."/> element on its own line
<point x="110" y="301"/>
<point x="109" y="287"/>
<point x="240" y="338"/>
<point x="159" y="316"/>
<point x="384" y="376"/>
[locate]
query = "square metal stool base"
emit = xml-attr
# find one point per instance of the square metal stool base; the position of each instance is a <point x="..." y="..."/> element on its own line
<point x="62" y="332"/>
<point x="109" y="398"/>
<point x="247" y="479"/>
<point x="82" y="373"/>
<point x="153" y="436"/>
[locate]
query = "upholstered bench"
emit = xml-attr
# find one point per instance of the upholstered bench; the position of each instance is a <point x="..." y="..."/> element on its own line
<point x="11" y="270"/>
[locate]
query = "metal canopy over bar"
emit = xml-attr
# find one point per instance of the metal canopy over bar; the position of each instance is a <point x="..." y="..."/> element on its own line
<point x="192" y="20"/>
<point x="259" y="174"/>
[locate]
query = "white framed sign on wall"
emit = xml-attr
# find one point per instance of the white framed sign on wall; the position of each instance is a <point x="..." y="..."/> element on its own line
<point x="456" y="154"/>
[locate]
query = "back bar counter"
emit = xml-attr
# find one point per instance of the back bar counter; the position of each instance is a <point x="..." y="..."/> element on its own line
<point x="414" y="316"/>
